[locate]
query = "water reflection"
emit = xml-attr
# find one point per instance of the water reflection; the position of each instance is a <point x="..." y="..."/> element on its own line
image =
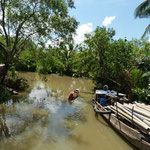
<point x="61" y="112"/>
<point x="44" y="107"/>
<point x="43" y="119"/>
<point x="4" y="130"/>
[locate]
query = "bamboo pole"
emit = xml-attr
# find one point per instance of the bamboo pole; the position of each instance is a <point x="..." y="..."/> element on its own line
<point x="146" y="118"/>
<point x="120" y="110"/>
<point x="136" y="123"/>
<point x="138" y="110"/>
<point x="148" y="106"/>
<point x="128" y="118"/>
<point x="142" y="106"/>
<point x="136" y="120"/>
<point x="114" y="110"/>
<point x="139" y="117"/>
<point x="136" y="113"/>
<point x="143" y="124"/>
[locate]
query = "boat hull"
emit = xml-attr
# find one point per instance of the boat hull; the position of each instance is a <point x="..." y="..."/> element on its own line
<point x="132" y="135"/>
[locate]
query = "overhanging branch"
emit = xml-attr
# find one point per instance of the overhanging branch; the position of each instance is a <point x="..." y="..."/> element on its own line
<point x="22" y="44"/>
<point x="112" y="81"/>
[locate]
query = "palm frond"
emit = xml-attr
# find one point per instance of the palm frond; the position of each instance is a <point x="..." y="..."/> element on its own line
<point x="141" y="8"/>
<point x="147" y="30"/>
<point x="3" y="49"/>
<point x="145" y="13"/>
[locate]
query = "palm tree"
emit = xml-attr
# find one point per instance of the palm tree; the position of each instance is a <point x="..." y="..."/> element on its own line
<point x="143" y="11"/>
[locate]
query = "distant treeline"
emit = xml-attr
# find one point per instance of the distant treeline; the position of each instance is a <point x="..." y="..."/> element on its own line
<point x="123" y="65"/>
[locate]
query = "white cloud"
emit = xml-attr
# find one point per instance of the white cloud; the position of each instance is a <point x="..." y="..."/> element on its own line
<point x="83" y="29"/>
<point x="108" y="20"/>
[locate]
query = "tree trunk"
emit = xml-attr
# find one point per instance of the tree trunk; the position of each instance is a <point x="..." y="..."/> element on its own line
<point x="4" y="73"/>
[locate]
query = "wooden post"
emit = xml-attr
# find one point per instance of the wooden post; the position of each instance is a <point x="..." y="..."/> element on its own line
<point x="117" y="109"/>
<point x="132" y="115"/>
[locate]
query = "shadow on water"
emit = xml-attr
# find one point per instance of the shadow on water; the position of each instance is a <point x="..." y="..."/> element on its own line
<point x="100" y="119"/>
<point x="105" y="122"/>
<point x="78" y="139"/>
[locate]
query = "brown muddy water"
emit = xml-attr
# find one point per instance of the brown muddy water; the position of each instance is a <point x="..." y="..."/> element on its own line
<point x="42" y="119"/>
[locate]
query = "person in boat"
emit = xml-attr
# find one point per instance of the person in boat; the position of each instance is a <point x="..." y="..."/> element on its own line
<point x="104" y="101"/>
<point x="73" y="95"/>
<point x="105" y="87"/>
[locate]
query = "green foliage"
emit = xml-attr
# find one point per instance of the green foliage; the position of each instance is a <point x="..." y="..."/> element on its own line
<point x="122" y="64"/>
<point x="142" y="11"/>
<point x="135" y="76"/>
<point x="3" y="52"/>
<point x="41" y="17"/>
<point x="4" y="94"/>
<point x="27" y="59"/>
<point x="18" y="84"/>
<point x="48" y="62"/>
<point x="122" y="54"/>
<point x="99" y="43"/>
<point x="12" y="72"/>
<point x="84" y="63"/>
<point x="44" y="63"/>
<point x="23" y="21"/>
<point x="142" y="95"/>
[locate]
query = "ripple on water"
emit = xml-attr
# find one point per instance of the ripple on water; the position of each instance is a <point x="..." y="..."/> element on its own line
<point x="44" y="120"/>
<point x="41" y="108"/>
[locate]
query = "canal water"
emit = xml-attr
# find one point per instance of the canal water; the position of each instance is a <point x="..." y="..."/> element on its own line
<point x="41" y="118"/>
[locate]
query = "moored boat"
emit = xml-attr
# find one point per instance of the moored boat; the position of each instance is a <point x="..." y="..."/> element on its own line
<point x="128" y="126"/>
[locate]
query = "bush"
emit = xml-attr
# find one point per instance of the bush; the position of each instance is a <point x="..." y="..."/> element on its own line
<point x="4" y="93"/>
<point x="17" y="84"/>
<point x="141" y="95"/>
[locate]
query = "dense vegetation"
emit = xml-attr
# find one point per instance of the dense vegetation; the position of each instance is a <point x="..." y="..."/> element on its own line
<point x="123" y="65"/>
<point x="23" y="21"/>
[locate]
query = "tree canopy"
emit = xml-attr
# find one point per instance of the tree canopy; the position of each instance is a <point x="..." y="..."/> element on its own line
<point x="36" y="20"/>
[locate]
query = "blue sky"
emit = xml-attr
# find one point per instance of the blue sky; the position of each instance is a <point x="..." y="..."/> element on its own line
<point x="116" y="14"/>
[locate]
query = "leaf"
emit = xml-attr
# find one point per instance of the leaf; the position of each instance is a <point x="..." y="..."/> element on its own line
<point x="139" y="10"/>
<point x="147" y="30"/>
<point x="147" y="74"/>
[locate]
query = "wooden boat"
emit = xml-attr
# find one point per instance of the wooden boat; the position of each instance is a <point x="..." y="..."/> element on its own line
<point x="138" y="138"/>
